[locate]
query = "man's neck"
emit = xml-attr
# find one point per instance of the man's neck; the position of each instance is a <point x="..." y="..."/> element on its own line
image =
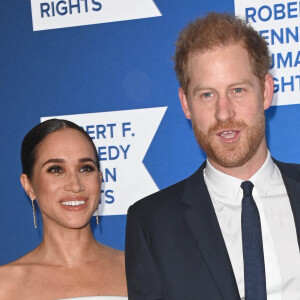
<point x="248" y="169"/>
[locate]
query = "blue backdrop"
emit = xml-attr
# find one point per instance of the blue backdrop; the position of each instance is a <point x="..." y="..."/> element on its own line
<point x="96" y="68"/>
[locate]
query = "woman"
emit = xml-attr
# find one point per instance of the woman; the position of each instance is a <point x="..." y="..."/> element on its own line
<point x="61" y="173"/>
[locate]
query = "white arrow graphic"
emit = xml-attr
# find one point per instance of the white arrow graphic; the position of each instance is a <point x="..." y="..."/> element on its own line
<point x="122" y="139"/>
<point x="68" y="13"/>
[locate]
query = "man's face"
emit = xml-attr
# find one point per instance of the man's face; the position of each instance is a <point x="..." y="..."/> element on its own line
<point x="226" y="103"/>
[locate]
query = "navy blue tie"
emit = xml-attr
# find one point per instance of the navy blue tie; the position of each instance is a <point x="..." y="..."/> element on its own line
<point x="254" y="265"/>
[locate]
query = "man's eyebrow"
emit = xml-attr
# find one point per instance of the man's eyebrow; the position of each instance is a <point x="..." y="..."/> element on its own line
<point x="245" y="81"/>
<point x="200" y="88"/>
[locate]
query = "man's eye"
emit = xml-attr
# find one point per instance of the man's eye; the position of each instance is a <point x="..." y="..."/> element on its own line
<point x="55" y="169"/>
<point x="238" y="90"/>
<point x="87" y="168"/>
<point x="207" y="95"/>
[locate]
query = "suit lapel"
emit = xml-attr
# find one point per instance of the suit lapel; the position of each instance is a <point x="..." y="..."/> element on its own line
<point x="200" y="216"/>
<point x="291" y="179"/>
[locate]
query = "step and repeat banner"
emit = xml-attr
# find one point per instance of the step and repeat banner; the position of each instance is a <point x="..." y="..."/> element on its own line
<point x="107" y="66"/>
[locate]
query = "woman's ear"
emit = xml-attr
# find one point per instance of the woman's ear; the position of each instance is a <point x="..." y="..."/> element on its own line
<point x="27" y="186"/>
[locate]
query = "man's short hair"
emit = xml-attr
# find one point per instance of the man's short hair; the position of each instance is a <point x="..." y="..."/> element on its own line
<point x="218" y="30"/>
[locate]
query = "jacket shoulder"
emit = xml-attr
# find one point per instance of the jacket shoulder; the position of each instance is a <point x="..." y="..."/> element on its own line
<point x="291" y="169"/>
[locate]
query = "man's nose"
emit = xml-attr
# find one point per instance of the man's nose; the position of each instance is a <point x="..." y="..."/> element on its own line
<point x="224" y="109"/>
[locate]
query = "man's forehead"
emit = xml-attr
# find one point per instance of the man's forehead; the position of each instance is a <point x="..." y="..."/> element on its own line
<point x="215" y="48"/>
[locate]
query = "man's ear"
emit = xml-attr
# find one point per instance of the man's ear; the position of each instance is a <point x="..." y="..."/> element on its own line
<point x="184" y="103"/>
<point x="268" y="91"/>
<point x="27" y="186"/>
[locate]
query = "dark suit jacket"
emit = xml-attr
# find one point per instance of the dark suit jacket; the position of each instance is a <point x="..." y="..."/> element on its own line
<point x="174" y="245"/>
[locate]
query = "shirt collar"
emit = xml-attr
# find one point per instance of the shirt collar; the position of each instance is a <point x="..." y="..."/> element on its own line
<point x="229" y="186"/>
<point x="263" y="178"/>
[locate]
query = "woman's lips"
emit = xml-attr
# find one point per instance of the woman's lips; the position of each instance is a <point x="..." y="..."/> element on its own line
<point x="74" y="203"/>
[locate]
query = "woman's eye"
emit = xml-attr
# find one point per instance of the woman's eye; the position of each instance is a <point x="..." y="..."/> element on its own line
<point x="55" y="169"/>
<point x="87" y="168"/>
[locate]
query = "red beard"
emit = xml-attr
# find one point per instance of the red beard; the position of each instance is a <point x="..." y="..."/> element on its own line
<point x="233" y="154"/>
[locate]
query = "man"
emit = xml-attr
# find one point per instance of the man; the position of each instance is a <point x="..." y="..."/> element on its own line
<point x="230" y="230"/>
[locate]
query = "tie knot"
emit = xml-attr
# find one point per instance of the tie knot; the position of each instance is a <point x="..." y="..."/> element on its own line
<point x="247" y="187"/>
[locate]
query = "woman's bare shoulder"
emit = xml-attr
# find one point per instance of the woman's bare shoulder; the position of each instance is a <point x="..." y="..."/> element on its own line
<point x="112" y="253"/>
<point x="16" y="270"/>
<point x="16" y="266"/>
<point x="12" y="277"/>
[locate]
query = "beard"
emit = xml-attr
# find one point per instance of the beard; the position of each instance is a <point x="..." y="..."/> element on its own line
<point x="234" y="154"/>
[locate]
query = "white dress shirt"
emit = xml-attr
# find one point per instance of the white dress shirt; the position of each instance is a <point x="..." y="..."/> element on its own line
<point x="281" y="250"/>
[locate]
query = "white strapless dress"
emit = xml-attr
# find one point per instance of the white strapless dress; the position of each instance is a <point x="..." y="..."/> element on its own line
<point x="97" y="298"/>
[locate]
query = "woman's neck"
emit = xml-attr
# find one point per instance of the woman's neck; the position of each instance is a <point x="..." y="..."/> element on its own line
<point x="66" y="247"/>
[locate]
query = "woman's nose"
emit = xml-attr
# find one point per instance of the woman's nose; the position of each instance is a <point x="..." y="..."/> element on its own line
<point x="74" y="183"/>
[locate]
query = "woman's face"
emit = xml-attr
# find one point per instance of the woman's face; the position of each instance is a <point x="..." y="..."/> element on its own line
<point x="65" y="181"/>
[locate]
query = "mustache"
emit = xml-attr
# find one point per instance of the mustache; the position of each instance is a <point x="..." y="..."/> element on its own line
<point x="230" y="124"/>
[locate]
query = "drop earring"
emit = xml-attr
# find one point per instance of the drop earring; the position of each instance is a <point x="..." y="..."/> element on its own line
<point x="97" y="216"/>
<point x="33" y="213"/>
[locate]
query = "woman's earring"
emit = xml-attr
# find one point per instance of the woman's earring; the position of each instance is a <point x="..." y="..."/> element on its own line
<point x="97" y="217"/>
<point x="33" y="213"/>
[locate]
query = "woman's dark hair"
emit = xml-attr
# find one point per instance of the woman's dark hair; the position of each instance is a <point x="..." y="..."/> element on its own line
<point x="37" y="134"/>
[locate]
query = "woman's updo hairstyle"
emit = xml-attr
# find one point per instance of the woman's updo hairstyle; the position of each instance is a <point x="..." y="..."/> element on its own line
<point x="37" y="134"/>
